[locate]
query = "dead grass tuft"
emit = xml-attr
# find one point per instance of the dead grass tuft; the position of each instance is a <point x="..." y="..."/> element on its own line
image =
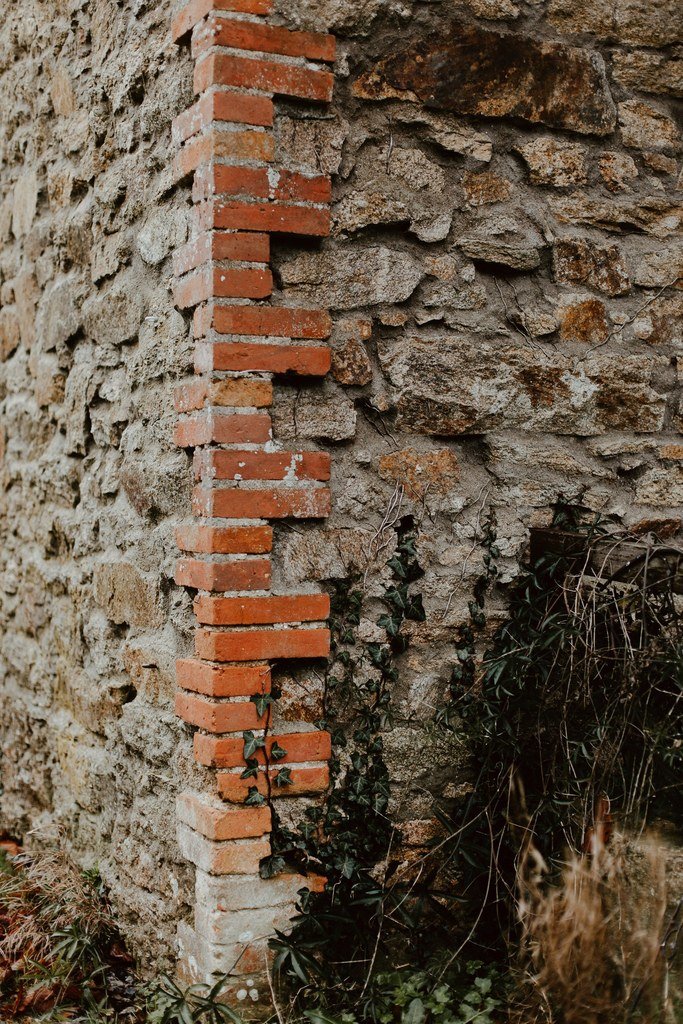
<point x="596" y="947"/>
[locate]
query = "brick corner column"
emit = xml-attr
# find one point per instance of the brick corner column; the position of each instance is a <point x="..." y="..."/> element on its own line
<point x="241" y="194"/>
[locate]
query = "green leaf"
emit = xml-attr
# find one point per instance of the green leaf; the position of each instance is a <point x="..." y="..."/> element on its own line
<point x="277" y="752"/>
<point x="251" y="743"/>
<point x="262" y="701"/>
<point x="320" y="1017"/>
<point x="415" y="1013"/>
<point x="251" y="771"/>
<point x="283" y="777"/>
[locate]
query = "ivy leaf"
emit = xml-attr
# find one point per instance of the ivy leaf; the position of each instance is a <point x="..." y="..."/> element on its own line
<point x="271" y="866"/>
<point x="251" y="743"/>
<point x="283" y="777"/>
<point x="277" y="752"/>
<point x="251" y="771"/>
<point x="254" y="798"/>
<point x="347" y="866"/>
<point x="397" y="566"/>
<point x="262" y="702"/>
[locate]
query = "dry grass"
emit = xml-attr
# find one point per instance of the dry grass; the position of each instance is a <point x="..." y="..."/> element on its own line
<point x="44" y="896"/>
<point x="55" y="928"/>
<point x="594" y="945"/>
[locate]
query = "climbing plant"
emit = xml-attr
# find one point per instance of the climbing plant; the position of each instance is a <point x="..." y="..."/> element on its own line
<point x="570" y="712"/>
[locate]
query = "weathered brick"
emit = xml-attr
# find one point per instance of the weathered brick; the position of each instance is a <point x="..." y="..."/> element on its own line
<point x="234" y="181"/>
<point x="192" y="13"/>
<point x="292" y="185"/>
<point x="190" y="396"/>
<point x="222" y="105"/>
<point x="250" y="35"/>
<point x="228" y="428"/>
<point x="234" y="857"/>
<point x="225" y="540"/>
<point x="244" y="574"/>
<point x="263" y="75"/>
<point x="248" y="465"/>
<point x="242" y="503"/>
<point x="212" y="819"/>
<point x="222" y="179"/>
<point x="227" y="752"/>
<point x="219" y="716"/>
<point x="201" y="960"/>
<point x="240" y="930"/>
<point x="215" y="145"/>
<point x="244" y="247"/>
<point x="221" y="282"/>
<point x="305" y="360"/>
<point x="266" y="322"/>
<point x="254" y="893"/>
<point x="223" y="680"/>
<point x="285" y="218"/>
<point x="258" y="644"/>
<point x="304" y="782"/>
<point x="240" y="611"/>
<point x="233" y="392"/>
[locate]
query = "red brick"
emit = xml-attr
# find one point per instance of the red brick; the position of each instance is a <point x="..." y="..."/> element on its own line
<point x="229" y="428"/>
<point x="233" y="392"/>
<point x="305" y="360"/>
<point x="215" y="752"/>
<point x="193" y="12"/>
<point x="252" y="611"/>
<point x="225" y="540"/>
<point x="223" y="680"/>
<point x="244" y="574"/>
<point x="219" y="282"/>
<point x="221" y="105"/>
<point x="244" y="247"/>
<point x="304" y="782"/>
<point x="271" y="321"/>
<point x="264" y="76"/>
<point x="224" y="179"/>
<point x="242" y="503"/>
<point x="250" y="35"/>
<point x="247" y="465"/>
<point x="234" y="857"/>
<point x="222" y="823"/>
<point x="257" y="644"/>
<point x="242" y="108"/>
<point x="219" y="716"/>
<point x="190" y="396"/>
<point x="285" y="218"/>
<point x="216" y="145"/>
<point x="292" y="185"/>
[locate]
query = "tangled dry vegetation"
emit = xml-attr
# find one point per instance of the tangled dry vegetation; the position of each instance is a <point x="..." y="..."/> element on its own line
<point x="558" y="858"/>
<point x="598" y="946"/>
<point x="59" y="949"/>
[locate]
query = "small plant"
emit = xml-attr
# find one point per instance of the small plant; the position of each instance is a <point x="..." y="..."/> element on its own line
<point x="472" y="993"/>
<point x="198" y="1004"/>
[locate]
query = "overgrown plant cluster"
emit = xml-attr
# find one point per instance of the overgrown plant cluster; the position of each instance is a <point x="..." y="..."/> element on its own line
<point x="365" y="949"/>
<point x="570" y="711"/>
<point x="571" y="714"/>
<point x="62" y="959"/>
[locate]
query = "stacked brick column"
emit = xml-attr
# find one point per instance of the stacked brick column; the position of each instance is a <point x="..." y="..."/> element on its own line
<point x="244" y="338"/>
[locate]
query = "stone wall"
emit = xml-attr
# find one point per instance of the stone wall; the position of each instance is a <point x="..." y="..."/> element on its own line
<point x="502" y="273"/>
<point x="92" y="483"/>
